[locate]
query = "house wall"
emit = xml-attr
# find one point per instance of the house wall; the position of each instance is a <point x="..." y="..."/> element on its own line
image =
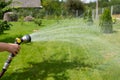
<point x="26" y="3"/>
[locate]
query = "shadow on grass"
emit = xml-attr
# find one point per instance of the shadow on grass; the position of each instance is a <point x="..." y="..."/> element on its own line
<point x="57" y="70"/>
<point x="4" y="34"/>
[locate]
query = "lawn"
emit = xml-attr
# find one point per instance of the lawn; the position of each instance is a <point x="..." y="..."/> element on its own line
<point x="68" y="50"/>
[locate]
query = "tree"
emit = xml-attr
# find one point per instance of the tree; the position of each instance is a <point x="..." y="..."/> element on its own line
<point x="4" y="25"/>
<point x="114" y="2"/>
<point x="104" y="3"/>
<point x="75" y="5"/>
<point x="116" y="9"/>
<point x="52" y="7"/>
<point x="4" y="7"/>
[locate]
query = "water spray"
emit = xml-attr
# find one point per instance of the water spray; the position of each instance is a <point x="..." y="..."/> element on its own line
<point x="26" y="38"/>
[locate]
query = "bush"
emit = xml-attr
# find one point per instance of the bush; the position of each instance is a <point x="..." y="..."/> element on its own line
<point x="1" y="28"/>
<point x="34" y="12"/>
<point x="14" y="17"/>
<point x="114" y="20"/>
<point x="75" y="5"/>
<point x="88" y="16"/>
<point x="4" y="7"/>
<point x="4" y="25"/>
<point x="55" y="7"/>
<point x="39" y="13"/>
<point x="38" y="22"/>
<point x="106" y="22"/>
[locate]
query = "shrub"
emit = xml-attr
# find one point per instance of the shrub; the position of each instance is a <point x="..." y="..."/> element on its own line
<point x="21" y="20"/>
<point x="1" y="28"/>
<point x="39" y="13"/>
<point x="14" y="17"/>
<point x="75" y="5"/>
<point x="4" y="25"/>
<point x="106" y="22"/>
<point x="38" y="22"/>
<point x="4" y="7"/>
<point x="55" y="7"/>
<point x="114" y="20"/>
<point x="88" y="16"/>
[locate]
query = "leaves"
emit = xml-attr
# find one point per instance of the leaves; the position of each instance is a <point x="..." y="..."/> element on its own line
<point x="4" y="7"/>
<point x="106" y="21"/>
<point x="4" y="25"/>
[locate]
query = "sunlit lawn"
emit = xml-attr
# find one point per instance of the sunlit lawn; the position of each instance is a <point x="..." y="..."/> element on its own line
<point x="56" y="60"/>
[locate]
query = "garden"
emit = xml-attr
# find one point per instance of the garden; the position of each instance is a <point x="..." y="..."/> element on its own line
<point x="64" y="47"/>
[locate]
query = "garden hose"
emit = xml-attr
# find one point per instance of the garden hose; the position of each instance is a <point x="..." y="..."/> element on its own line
<point x="18" y="41"/>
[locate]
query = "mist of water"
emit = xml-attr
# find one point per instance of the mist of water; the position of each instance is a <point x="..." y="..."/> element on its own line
<point x="74" y="31"/>
<point x="77" y="32"/>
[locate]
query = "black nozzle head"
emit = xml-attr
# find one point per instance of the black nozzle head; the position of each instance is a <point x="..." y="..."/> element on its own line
<point x="26" y="38"/>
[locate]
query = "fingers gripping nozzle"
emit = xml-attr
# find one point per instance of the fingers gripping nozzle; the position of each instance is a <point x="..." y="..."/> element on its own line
<point x="18" y="41"/>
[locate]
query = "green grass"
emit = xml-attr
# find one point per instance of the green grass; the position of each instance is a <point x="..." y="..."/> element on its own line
<point x="95" y="57"/>
<point x="21" y="28"/>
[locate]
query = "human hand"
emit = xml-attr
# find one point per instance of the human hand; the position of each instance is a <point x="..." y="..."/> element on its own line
<point x="13" y="48"/>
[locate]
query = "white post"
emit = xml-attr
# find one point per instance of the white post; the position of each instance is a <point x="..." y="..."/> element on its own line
<point x="93" y="13"/>
<point x="102" y="10"/>
<point x="96" y="9"/>
<point x="111" y="9"/>
<point x="76" y="11"/>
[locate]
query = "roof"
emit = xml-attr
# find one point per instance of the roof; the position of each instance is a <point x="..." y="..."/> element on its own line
<point x="26" y="3"/>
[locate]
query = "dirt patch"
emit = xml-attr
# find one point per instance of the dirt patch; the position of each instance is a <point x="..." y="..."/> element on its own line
<point x="117" y="16"/>
<point x="109" y="56"/>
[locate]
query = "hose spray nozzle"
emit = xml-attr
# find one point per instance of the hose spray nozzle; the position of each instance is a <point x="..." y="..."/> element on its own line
<point x="26" y="38"/>
<point x="18" y="41"/>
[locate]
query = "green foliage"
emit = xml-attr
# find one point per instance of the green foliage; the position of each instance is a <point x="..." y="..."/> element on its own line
<point x="38" y="22"/>
<point x="115" y="2"/>
<point x="21" y="28"/>
<point x="104" y="3"/>
<point x="114" y="20"/>
<point x="4" y="7"/>
<point x="1" y="28"/>
<point x="106" y="22"/>
<point x="88" y="16"/>
<point x="52" y="7"/>
<point x="14" y="17"/>
<point x="116" y="9"/>
<point x="21" y="20"/>
<point x="73" y="5"/>
<point x="34" y="12"/>
<point x="4" y="25"/>
<point x="39" y="13"/>
<point x="23" y="12"/>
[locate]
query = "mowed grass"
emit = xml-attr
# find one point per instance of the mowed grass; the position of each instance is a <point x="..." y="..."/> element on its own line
<point x="96" y="57"/>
